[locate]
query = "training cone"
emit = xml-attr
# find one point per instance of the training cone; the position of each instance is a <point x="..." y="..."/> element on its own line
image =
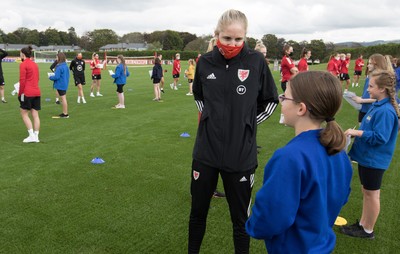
<point x="340" y="221"/>
<point x="97" y="160"/>
<point x="185" y="135"/>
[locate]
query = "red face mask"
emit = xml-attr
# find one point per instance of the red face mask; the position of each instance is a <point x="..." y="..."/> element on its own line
<point x="229" y="51"/>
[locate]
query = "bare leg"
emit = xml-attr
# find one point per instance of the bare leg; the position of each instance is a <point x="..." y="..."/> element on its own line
<point x="26" y="119"/>
<point x="64" y="104"/>
<point x="371" y="208"/>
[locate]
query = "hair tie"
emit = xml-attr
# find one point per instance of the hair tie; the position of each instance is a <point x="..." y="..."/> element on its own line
<point x="329" y="119"/>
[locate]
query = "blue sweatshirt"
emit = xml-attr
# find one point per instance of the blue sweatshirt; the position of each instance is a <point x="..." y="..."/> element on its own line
<point x="119" y="76"/>
<point x="302" y="194"/>
<point x="365" y="106"/>
<point x="61" y="77"/>
<point x="375" y="148"/>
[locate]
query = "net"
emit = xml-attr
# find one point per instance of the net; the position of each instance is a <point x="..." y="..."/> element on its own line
<point x="44" y="56"/>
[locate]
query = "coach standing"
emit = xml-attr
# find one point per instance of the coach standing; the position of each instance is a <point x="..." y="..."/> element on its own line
<point x="234" y="90"/>
<point x="77" y="67"/>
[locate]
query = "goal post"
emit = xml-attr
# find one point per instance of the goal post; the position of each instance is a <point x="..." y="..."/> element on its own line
<point x="44" y="56"/>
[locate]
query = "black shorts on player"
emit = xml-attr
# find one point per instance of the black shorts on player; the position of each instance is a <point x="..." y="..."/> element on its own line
<point x="80" y="79"/>
<point x="29" y="103"/>
<point x="96" y="77"/>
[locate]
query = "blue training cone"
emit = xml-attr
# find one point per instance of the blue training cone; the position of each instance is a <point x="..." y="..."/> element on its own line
<point x="185" y="135"/>
<point x="97" y="160"/>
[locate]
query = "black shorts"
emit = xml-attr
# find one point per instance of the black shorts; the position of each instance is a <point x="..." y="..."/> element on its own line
<point x="358" y="73"/>
<point x="344" y="76"/>
<point x="62" y="92"/>
<point x="120" y="88"/>
<point x="79" y="79"/>
<point x="156" y="80"/>
<point x="283" y="85"/>
<point x="1" y="80"/>
<point x="96" y="77"/>
<point x="30" y="103"/>
<point x="190" y="80"/>
<point x="370" y="178"/>
<point x="175" y="75"/>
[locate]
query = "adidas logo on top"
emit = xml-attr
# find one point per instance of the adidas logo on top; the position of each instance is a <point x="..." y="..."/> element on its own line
<point x="243" y="179"/>
<point x="211" y="76"/>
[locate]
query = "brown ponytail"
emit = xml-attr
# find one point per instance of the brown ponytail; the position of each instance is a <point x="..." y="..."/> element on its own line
<point x="321" y="92"/>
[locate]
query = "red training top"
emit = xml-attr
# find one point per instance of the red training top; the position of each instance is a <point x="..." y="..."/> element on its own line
<point x="286" y="65"/>
<point x="333" y="67"/>
<point x="29" y="79"/>
<point x="359" y="64"/>
<point x="303" y="65"/>
<point x="93" y="64"/>
<point x="345" y="66"/>
<point x="176" y="69"/>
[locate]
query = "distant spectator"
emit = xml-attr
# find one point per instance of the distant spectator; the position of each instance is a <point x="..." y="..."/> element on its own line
<point x="303" y="64"/>
<point x="190" y="76"/>
<point x="176" y="70"/>
<point x="288" y="68"/>
<point x="3" y="54"/>
<point x="358" y="66"/>
<point x="344" y="70"/>
<point x="263" y="49"/>
<point x="333" y="64"/>
<point x="96" y="67"/>
<point x="156" y="76"/>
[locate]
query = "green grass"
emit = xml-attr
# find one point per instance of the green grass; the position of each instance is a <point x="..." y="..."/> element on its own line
<point x="53" y="200"/>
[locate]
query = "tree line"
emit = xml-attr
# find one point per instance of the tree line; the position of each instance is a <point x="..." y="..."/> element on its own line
<point x="179" y="41"/>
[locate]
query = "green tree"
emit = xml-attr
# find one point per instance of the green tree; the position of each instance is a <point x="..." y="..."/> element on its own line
<point x="187" y="37"/>
<point x="2" y="36"/>
<point x="32" y="38"/>
<point x="13" y="39"/>
<point x="73" y="37"/>
<point x="296" y="49"/>
<point x="155" y="36"/>
<point x="134" y="37"/>
<point x="43" y="39"/>
<point x="22" y="34"/>
<point x="52" y="37"/>
<point x="200" y="45"/>
<point x="318" y="49"/>
<point x="64" y="36"/>
<point x="271" y="41"/>
<point x="172" y="41"/>
<point x="85" y="41"/>
<point x="155" y="45"/>
<point x="101" y="37"/>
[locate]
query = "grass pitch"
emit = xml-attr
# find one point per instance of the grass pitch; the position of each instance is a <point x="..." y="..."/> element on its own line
<point x="53" y="200"/>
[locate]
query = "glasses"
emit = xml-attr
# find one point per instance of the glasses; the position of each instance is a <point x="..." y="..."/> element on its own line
<point x="282" y="98"/>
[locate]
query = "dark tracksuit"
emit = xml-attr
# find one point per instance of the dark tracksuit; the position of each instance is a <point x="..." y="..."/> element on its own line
<point x="77" y="67"/>
<point x="233" y="96"/>
<point x="3" y="54"/>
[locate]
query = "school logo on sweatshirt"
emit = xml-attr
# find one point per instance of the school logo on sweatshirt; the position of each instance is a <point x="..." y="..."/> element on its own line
<point x="196" y="175"/>
<point x="243" y="74"/>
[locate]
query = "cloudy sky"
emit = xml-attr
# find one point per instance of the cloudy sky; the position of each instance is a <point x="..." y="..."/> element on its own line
<point x="332" y="21"/>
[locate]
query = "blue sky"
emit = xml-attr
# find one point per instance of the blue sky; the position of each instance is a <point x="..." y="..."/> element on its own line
<point x="333" y="21"/>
